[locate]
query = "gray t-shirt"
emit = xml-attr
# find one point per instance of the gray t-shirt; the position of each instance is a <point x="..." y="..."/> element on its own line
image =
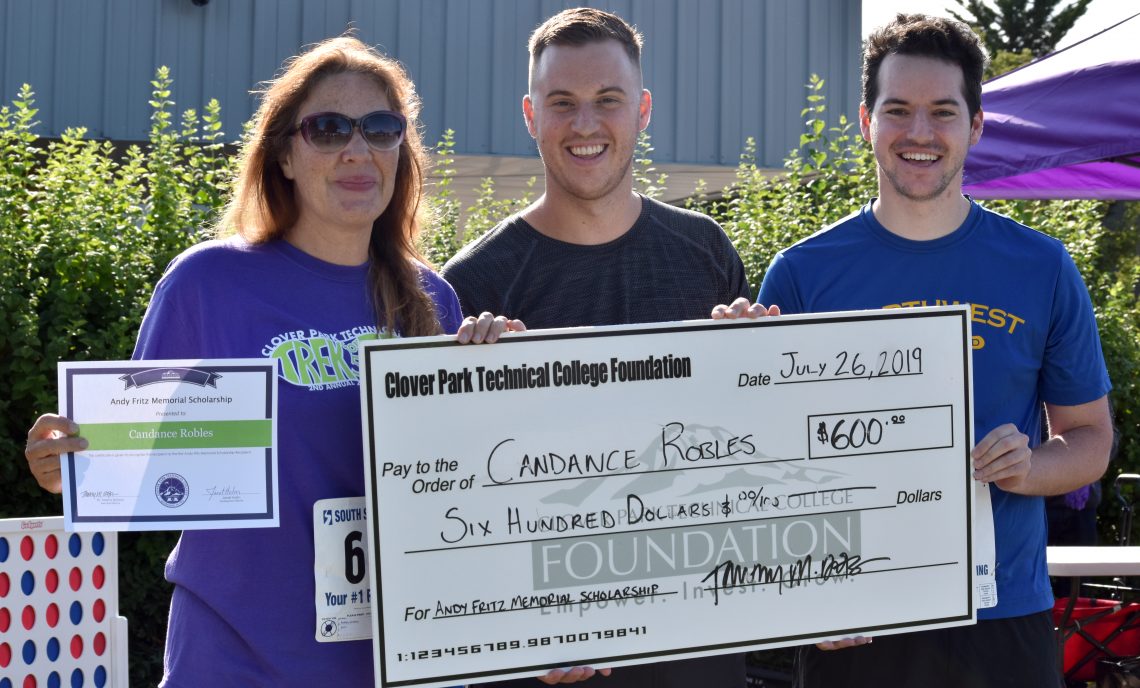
<point x="673" y="264"/>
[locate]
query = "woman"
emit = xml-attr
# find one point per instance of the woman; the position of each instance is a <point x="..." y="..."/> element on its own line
<point x="325" y="213"/>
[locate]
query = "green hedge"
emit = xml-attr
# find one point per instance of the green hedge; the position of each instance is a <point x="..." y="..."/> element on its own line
<point x="86" y="230"/>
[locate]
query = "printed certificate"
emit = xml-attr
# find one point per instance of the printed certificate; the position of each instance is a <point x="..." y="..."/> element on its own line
<point x="623" y="495"/>
<point x="174" y="445"/>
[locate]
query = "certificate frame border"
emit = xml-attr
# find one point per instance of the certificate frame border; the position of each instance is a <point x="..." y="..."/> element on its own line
<point x="270" y="480"/>
<point x="371" y="349"/>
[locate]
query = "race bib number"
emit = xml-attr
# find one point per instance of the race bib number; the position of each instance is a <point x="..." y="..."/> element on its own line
<point x="340" y="568"/>
<point x="985" y="557"/>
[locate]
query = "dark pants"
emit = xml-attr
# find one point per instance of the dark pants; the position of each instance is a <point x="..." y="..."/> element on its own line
<point x="725" y="671"/>
<point x="1002" y="653"/>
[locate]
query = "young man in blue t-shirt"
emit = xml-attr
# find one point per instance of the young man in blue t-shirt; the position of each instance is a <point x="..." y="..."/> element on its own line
<point x="921" y="242"/>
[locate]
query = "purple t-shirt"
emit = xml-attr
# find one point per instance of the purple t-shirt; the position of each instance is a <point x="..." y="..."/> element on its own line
<point x="243" y="611"/>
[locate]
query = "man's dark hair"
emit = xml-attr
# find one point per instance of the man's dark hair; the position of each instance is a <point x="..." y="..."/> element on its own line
<point x="925" y="36"/>
<point x="582" y="25"/>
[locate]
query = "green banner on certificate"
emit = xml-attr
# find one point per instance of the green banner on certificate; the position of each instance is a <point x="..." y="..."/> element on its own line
<point x="219" y="433"/>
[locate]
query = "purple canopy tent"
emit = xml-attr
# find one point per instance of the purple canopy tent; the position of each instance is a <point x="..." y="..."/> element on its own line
<point x="1064" y="126"/>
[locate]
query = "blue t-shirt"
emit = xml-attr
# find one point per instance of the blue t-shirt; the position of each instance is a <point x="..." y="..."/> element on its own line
<point x="1035" y="339"/>
<point x="243" y="611"/>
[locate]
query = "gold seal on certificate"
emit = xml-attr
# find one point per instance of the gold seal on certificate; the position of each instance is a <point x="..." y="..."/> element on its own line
<point x="173" y="445"/>
<point x="630" y="494"/>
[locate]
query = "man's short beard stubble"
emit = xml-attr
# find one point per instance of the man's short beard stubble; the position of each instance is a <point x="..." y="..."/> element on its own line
<point x="940" y="188"/>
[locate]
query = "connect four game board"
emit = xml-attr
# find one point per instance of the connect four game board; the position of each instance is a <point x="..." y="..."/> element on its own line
<point x="59" y="606"/>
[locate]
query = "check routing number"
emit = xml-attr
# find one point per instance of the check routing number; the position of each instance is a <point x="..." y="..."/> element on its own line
<point x="632" y="494"/>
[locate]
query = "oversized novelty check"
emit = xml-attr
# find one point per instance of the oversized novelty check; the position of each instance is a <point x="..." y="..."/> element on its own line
<point x="173" y="445"/>
<point x="624" y="495"/>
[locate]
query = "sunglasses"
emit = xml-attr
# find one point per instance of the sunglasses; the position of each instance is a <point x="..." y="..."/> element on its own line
<point x="329" y="132"/>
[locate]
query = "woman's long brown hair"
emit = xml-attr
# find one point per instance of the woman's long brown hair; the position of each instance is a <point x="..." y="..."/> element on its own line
<point x="263" y="206"/>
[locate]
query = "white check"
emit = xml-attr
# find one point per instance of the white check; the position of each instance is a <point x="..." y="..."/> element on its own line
<point x="625" y="495"/>
<point x="173" y="445"/>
